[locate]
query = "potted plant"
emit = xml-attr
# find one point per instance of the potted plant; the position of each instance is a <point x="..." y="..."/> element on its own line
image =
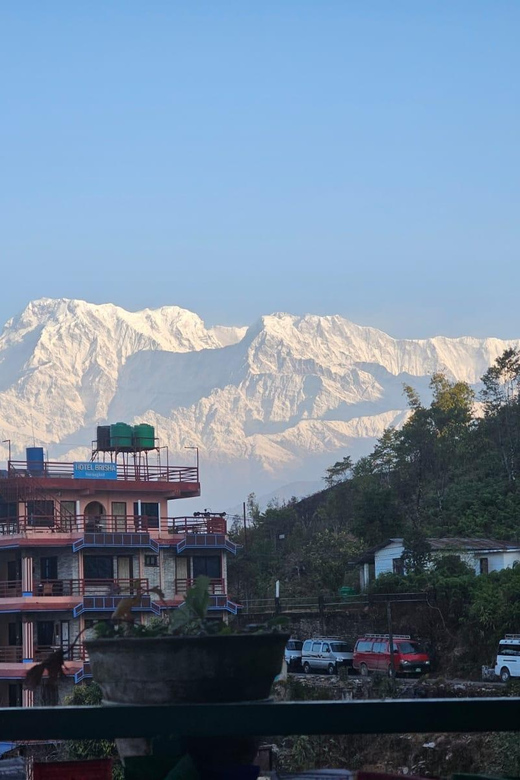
<point x="190" y="658"/>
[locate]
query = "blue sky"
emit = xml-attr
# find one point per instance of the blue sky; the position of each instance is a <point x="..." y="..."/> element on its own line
<point x="358" y="157"/>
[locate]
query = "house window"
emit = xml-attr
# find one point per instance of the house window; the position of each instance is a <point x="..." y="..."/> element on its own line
<point x="151" y="560"/>
<point x="398" y="565"/>
<point x="484" y="565"/>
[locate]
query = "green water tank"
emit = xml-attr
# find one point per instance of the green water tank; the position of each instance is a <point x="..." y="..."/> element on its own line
<point x="144" y="436"/>
<point x="121" y="436"/>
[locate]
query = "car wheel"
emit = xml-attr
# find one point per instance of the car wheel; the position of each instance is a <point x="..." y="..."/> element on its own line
<point x="331" y="669"/>
<point x="505" y="674"/>
<point x="306" y="668"/>
<point x="364" y="670"/>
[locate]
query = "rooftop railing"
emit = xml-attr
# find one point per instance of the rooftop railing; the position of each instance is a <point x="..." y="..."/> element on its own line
<point x="128" y="471"/>
<point x="262" y="719"/>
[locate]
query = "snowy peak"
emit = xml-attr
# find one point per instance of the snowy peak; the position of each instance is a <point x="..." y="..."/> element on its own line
<point x="274" y="403"/>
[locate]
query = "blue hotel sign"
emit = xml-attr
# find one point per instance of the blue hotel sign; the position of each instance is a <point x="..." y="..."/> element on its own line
<point x="90" y="470"/>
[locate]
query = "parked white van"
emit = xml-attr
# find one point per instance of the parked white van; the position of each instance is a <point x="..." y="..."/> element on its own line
<point x="325" y="653"/>
<point x="508" y="657"/>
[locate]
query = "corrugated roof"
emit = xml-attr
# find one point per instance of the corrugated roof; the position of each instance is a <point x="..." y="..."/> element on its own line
<point x="468" y="543"/>
<point x="455" y="543"/>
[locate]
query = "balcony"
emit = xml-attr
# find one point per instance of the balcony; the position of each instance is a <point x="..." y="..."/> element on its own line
<point x="217" y="587"/>
<point x="79" y="525"/>
<point x="99" y="587"/>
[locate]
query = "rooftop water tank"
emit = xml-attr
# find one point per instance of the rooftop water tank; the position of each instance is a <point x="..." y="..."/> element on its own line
<point x="144" y="436"/>
<point x="34" y="456"/>
<point x="103" y="437"/>
<point x="121" y="436"/>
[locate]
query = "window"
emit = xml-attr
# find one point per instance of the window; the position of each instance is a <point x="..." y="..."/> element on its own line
<point x="364" y="647"/>
<point x="208" y="565"/>
<point x="15" y="634"/>
<point x="484" y="565"/>
<point x="150" y="513"/>
<point x="40" y="513"/>
<point x="49" y="568"/>
<point x="340" y="647"/>
<point x="15" y="694"/>
<point x="509" y="649"/>
<point x="98" y="567"/>
<point x="307" y="646"/>
<point x="294" y="644"/>
<point x="45" y="633"/>
<point x="378" y="647"/>
<point x="325" y="648"/>
<point x="398" y="565"/>
<point x="316" y="647"/>
<point x="151" y="560"/>
<point x="407" y="648"/>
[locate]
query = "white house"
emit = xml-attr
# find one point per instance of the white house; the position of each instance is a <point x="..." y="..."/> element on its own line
<point x="483" y="555"/>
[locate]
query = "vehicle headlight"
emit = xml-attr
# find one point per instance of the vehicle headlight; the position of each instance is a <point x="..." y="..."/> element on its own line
<point x="405" y="663"/>
<point x="427" y="663"/>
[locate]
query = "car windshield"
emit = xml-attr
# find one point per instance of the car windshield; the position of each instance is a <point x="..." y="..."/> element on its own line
<point x="294" y="645"/>
<point x="407" y="647"/>
<point x="340" y="647"/>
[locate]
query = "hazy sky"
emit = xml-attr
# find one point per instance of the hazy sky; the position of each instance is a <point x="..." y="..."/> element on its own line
<point x="358" y="157"/>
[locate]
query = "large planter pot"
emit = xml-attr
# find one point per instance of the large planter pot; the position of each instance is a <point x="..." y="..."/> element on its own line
<point x="168" y="670"/>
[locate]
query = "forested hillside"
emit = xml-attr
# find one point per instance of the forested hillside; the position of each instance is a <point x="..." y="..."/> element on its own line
<point x="452" y="469"/>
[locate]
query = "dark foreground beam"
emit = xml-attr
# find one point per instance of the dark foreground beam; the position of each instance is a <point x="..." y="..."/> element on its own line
<point x="262" y="719"/>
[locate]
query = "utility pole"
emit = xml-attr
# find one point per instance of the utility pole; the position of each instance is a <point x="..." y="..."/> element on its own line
<point x="245" y="525"/>
<point x="390" y="639"/>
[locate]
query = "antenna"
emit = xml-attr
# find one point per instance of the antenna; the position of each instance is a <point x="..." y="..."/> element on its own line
<point x="32" y="426"/>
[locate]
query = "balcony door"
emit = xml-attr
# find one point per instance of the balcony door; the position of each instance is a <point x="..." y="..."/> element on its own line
<point x="14" y="575"/>
<point x="125" y="574"/>
<point x="45" y="633"/>
<point x="98" y="571"/>
<point x="98" y="567"/>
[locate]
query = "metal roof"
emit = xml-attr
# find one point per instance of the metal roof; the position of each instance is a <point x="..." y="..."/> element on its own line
<point x="455" y="543"/>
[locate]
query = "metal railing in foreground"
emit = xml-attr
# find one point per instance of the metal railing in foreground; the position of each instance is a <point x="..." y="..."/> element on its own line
<point x="262" y="719"/>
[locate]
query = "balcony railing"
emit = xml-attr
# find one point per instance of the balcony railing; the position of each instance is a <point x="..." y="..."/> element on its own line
<point x="77" y="653"/>
<point x="76" y="587"/>
<point x="10" y="589"/>
<point x="129" y="472"/>
<point x="217" y="587"/>
<point x="13" y="654"/>
<point x="76" y="526"/>
<point x="87" y="587"/>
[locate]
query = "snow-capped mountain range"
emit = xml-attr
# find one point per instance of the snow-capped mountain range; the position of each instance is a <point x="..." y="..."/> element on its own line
<point x="267" y="405"/>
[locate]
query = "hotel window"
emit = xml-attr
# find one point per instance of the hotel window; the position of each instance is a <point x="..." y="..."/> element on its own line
<point x="484" y="565"/>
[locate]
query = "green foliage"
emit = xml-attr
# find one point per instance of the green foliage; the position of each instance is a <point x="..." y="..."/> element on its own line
<point x="90" y="695"/>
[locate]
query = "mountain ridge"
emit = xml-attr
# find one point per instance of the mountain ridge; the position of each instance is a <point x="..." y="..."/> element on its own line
<point x="266" y="405"/>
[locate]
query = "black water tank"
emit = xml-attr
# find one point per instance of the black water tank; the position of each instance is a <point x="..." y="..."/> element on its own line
<point x="103" y="437"/>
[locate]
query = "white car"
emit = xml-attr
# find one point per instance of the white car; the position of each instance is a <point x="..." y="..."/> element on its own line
<point x="508" y="657"/>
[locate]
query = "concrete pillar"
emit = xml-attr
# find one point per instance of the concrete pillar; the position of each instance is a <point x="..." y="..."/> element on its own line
<point x="27" y="641"/>
<point x="27" y="698"/>
<point x="27" y="575"/>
